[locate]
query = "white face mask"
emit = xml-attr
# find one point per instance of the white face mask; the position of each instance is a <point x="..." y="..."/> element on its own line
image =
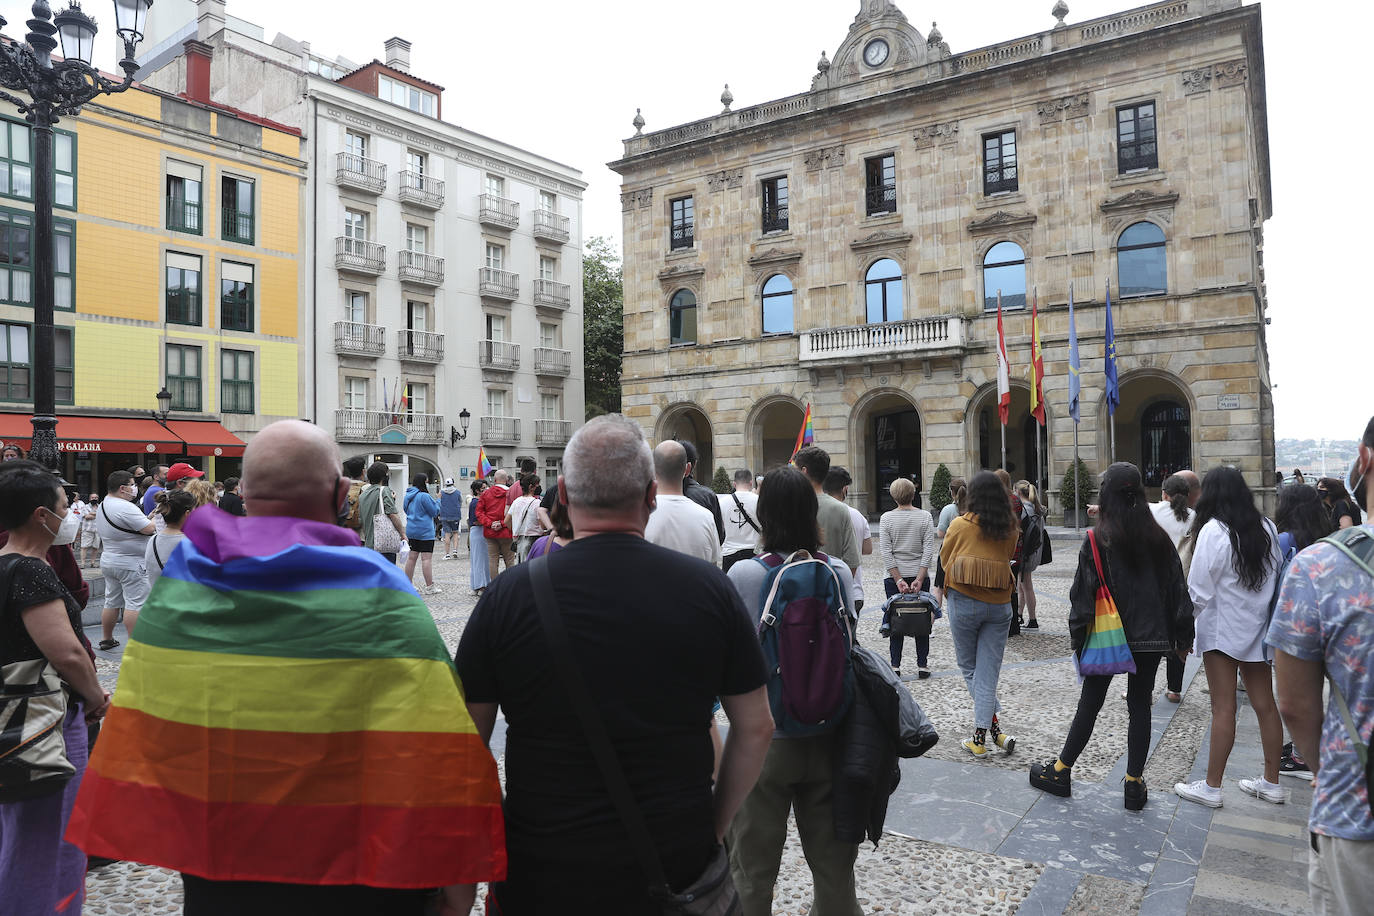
<point x="67" y="531"/>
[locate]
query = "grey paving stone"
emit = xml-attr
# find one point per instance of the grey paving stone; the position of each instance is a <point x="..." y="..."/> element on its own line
<point x="1051" y="893"/>
<point x="1170" y="888"/>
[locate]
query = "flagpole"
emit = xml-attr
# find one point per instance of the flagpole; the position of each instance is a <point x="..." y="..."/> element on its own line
<point x="1001" y="345"/>
<point x="1037" y="383"/>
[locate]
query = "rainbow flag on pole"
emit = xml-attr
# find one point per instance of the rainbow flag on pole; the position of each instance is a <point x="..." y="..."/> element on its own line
<point x="1037" y="363"/>
<point x="484" y="467"/>
<point x="288" y="712"/>
<point x="807" y="434"/>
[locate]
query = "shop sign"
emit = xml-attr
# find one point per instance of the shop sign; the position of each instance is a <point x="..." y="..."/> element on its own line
<point x="78" y="446"/>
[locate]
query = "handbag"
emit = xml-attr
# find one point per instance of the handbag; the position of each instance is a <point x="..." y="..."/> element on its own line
<point x="911" y="615"/>
<point x="711" y="894"/>
<point x="385" y="537"/>
<point x="33" y="706"/>
<point x="1105" y="651"/>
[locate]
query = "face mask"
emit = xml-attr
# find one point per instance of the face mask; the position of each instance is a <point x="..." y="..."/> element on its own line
<point x="1356" y="480"/>
<point x="67" y="529"/>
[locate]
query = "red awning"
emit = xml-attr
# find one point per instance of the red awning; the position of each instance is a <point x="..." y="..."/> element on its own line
<point x="97" y="434"/>
<point x="206" y="437"/>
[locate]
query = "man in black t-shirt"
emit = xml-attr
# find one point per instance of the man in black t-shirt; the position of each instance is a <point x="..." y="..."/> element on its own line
<point x="657" y="636"/>
<point x="698" y="492"/>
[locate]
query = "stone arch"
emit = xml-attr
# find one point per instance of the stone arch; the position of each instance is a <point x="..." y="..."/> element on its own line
<point x="983" y="435"/>
<point x="1142" y="389"/>
<point x="766" y="431"/>
<point x="886" y="440"/>
<point x="689" y="420"/>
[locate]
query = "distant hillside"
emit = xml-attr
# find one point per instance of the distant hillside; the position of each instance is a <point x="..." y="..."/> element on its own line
<point x="1307" y="455"/>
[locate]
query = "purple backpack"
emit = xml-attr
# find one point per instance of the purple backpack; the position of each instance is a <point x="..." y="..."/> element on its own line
<point x="806" y="636"/>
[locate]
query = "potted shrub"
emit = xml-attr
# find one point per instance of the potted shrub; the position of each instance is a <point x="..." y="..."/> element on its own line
<point x="939" y="490"/>
<point x="1075" y="493"/>
<point x="721" y="482"/>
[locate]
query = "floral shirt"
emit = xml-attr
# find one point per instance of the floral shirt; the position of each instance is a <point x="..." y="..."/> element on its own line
<point x="1326" y="613"/>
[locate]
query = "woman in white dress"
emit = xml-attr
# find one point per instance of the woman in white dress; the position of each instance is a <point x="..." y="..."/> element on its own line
<point x="1235" y="564"/>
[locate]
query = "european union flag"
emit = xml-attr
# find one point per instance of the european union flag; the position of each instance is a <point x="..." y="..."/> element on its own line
<point x="1113" y="390"/>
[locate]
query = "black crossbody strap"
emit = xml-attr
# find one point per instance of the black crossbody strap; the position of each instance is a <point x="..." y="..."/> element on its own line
<point x="105" y="512"/>
<point x="745" y="513"/>
<point x="592" y="725"/>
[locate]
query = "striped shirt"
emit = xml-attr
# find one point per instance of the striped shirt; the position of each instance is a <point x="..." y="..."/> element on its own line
<point x="906" y="541"/>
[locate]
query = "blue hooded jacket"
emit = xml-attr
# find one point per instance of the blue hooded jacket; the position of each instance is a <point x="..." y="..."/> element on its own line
<point x="421" y="511"/>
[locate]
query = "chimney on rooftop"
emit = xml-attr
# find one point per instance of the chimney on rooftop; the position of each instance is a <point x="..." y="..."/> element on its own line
<point x="398" y="54"/>
<point x="209" y="18"/>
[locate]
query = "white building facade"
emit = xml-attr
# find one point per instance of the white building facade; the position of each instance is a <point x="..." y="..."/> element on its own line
<point x="444" y="280"/>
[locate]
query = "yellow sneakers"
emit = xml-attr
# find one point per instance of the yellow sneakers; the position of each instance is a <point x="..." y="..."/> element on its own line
<point x="1006" y="742"/>
<point x="976" y="748"/>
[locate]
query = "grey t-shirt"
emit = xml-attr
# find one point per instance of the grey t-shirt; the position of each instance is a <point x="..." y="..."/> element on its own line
<point x="160" y="547"/>
<point x="118" y="522"/>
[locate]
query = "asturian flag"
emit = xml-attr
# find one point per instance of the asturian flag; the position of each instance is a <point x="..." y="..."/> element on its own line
<point x="1037" y="363"/>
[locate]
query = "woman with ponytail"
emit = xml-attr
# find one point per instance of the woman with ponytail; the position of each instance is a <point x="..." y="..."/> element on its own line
<point x="1145" y="578"/>
<point x="1231" y="580"/>
<point x="976" y="556"/>
<point x="173" y="507"/>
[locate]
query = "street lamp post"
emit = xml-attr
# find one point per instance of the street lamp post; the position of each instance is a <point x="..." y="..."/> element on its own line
<point x="56" y="89"/>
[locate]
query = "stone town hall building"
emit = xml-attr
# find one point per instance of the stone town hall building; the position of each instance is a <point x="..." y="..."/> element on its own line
<point x="844" y="247"/>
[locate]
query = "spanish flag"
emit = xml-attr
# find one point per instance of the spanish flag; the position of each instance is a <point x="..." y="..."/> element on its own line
<point x="484" y="467"/>
<point x="807" y="434"/>
<point x="1037" y="364"/>
<point x="288" y="712"/>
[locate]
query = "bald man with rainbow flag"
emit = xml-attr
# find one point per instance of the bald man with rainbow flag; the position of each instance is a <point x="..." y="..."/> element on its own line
<point x="288" y="730"/>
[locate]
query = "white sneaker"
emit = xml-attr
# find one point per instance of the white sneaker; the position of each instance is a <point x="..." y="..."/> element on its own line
<point x="1199" y="792"/>
<point x="433" y="590"/>
<point x="1261" y="788"/>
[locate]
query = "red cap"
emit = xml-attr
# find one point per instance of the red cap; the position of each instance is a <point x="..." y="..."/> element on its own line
<point x="182" y="469"/>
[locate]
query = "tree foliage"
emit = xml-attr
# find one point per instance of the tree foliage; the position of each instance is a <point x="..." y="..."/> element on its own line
<point x="721" y="482"/>
<point x="939" y="489"/>
<point x="603" y="334"/>
<point x="1076" y="490"/>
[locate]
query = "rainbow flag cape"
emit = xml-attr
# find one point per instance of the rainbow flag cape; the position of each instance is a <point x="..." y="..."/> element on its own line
<point x="807" y="434"/>
<point x="484" y="468"/>
<point x="288" y="712"/>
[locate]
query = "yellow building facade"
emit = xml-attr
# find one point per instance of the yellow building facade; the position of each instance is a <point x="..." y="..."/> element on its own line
<point x="178" y="230"/>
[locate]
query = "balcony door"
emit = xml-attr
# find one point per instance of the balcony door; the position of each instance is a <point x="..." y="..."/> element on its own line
<point x="896" y="453"/>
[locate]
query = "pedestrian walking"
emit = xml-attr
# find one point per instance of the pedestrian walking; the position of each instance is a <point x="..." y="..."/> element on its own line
<point x="351" y="516"/>
<point x="522" y="518"/>
<point x="906" y="545"/>
<point x="837" y="531"/>
<point x="1141" y="570"/>
<point x="798" y="773"/>
<point x="1034" y="537"/>
<point x="1344" y="511"/>
<point x="678" y="522"/>
<point x="1231" y="581"/>
<point x="976" y="555"/>
<point x="1174" y="513"/>
<point x="41" y="644"/>
<point x="90" y="537"/>
<point x="491" y="515"/>
<point x="124" y="531"/>
<point x="309" y="779"/>
<point x="451" y="517"/>
<point x="383" y="526"/>
<point x="1323" y="630"/>
<point x="739" y="509"/>
<point x="421" y="510"/>
<point x="837" y="483"/>
<point x="479" y="575"/>
<point x="650" y="680"/>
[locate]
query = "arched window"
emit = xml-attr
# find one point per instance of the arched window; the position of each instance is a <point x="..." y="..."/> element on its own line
<point x="777" y="305"/>
<point x="682" y="318"/>
<point x="1004" y="269"/>
<point x="1166" y="441"/>
<point x="1140" y="267"/>
<point x="883" y="291"/>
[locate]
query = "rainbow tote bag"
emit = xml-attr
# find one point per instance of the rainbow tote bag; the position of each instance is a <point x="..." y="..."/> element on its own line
<point x="1105" y="650"/>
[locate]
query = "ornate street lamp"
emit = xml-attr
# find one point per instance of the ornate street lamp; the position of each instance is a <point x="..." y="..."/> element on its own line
<point x="454" y="434"/>
<point x="57" y="88"/>
<point x="164" y="405"/>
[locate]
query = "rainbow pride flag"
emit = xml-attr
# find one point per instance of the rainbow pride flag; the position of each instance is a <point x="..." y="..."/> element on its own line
<point x="288" y="712"/>
<point x="806" y="435"/>
<point x="484" y="467"/>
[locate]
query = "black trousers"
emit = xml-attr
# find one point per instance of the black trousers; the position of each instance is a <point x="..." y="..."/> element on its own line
<point x="1139" y="689"/>
<point x="895" y="642"/>
<point x="1173" y="672"/>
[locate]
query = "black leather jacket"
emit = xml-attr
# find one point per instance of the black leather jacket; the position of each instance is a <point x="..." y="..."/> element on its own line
<point x="705" y="497"/>
<point x="1156" y="612"/>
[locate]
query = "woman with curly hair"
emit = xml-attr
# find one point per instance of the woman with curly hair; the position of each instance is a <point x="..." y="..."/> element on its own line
<point x="976" y="555"/>
<point x="1235" y="564"/>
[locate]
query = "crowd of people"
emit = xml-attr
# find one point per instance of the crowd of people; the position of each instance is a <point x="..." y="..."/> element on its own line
<point x="619" y="613"/>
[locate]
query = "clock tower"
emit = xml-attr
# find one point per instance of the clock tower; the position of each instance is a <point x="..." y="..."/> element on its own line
<point x="880" y="41"/>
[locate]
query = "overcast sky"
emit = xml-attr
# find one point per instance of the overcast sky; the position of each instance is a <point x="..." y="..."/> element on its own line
<point x="563" y="79"/>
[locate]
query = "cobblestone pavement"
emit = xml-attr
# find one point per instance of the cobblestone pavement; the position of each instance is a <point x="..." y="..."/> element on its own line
<point x="964" y="836"/>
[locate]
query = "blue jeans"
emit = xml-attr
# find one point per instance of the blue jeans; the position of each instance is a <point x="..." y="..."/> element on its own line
<point x="979" y="630"/>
